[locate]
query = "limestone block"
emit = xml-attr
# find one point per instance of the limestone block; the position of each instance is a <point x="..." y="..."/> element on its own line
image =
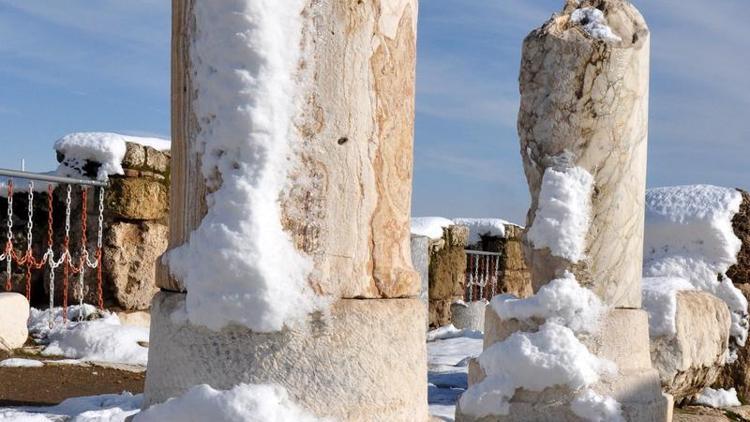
<point x="622" y="339"/>
<point x="14" y="313"/>
<point x="740" y="272"/>
<point x="447" y="272"/>
<point x="131" y="251"/>
<point x="366" y="361"/>
<point x="514" y="258"/>
<point x="135" y="319"/>
<point x="468" y="316"/>
<point x="737" y="374"/>
<point x="157" y="161"/>
<point x="516" y="282"/>
<point x="420" y="258"/>
<point x="692" y="359"/>
<point x="137" y="199"/>
<point x="440" y="312"/>
<point x="584" y="103"/>
<point x="135" y="156"/>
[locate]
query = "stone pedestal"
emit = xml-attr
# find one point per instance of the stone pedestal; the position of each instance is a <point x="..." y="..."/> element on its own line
<point x="367" y="358"/>
<point x="622" y="339"/>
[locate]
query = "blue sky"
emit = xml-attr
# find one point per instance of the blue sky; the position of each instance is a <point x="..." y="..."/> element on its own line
<point x="80" y="65"/>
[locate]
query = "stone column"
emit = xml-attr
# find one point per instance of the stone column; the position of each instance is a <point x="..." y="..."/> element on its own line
<point x="583" y="125"/>
<point x="347" y="208"/>
<point x="584" y="103"/>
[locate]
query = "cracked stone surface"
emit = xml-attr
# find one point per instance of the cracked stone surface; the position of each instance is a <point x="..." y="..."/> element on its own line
<point x="584" y="103"/>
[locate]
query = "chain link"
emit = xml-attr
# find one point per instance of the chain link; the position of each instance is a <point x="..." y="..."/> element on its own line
<point x="9" y="243"/>
<point x="30" y="222"/>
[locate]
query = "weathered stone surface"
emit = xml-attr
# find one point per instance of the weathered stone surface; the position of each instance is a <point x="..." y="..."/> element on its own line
<point x="137" y="199"/>
<point x="447" y="273"/>
<point x="584" y="103"/>
<point x="700" y="414"/>
<point x="352" y="213"/>
<point x="439" y="312"/>
<point x="157" y="161"/>
<point x="343" y="366"/>
<point x="420" y="258"/>
<point x="692" y="359"/>
<point x="740" y="272"/>
<point x="14" y="313"/>
<point x="622" y="339"/>
<point x="468" y="316"/>
<point x="135" y="156"/>
<point x="130" y="254"/>
<point x="135" y="319"/>
<point x="737" y="375"/>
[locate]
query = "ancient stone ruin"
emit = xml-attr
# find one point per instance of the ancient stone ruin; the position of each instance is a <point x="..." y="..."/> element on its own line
<point x="583" y="125"/>
<point x="363" y="356"/>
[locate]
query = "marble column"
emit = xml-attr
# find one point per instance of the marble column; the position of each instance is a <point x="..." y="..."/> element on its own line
<point x="583" y="126"/>
<point x="346" y="207"/>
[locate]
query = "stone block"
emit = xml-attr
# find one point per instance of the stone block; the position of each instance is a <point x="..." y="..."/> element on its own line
<point x="135" y="156"/>
<point x="137" y="199"/>
<point x="131" y="251"/>
<point x="420" y="258"/>
<point x="341" y="366"/>
<point x="468" y="316"/>
<point x="517" y="283"/>
<point x="737" y="374"/>
<point x="622" y="339"/>
<point x="14" y="313"/>
<point x="740" y="272"/>
<point x="157" y="161"/>
<point x="692" y="359"/>
<point x="439" y="312"/>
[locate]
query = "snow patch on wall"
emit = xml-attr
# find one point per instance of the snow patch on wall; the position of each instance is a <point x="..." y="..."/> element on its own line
<point x="563" y="214"/>
<point x="594" y="23"/>
<point x="431" y="227"/>
<point x="479" y="227"/>
<point x="660" y="301"/>
<point x="105" y="148"/>
<point x="597" y="408"/>
<point x="240" y="266"/>
<point x="243" y="403"/>
<point x="719" y="399"/>
<point x="689" y="235"/>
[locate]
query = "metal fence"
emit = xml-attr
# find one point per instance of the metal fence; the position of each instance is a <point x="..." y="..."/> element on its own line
<point x="483" y="270"/>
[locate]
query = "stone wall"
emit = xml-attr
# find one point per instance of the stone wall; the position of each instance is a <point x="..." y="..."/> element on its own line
<point x="447" y="273"/>
<point x="514" y="277"/>
<point x="135" y="233"/>
<point x="737" y="374"/>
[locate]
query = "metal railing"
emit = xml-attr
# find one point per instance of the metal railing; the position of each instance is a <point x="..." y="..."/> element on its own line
<point x="483" y="270"/>
<point x="50" y="178"/>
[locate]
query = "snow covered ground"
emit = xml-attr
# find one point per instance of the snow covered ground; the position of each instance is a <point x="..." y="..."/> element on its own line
<point x="448" y="353"/>
<point x="99" y="337"/>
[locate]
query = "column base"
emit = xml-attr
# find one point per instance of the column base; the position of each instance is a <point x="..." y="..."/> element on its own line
<point x="364" y="361"/>
<point x="622" y="339"/>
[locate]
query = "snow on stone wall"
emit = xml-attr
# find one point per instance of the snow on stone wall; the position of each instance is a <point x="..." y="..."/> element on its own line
<point x="689" y="236"/>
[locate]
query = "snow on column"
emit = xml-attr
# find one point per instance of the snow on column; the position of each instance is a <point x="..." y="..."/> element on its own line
<point x="584" y="109"/>
<point x="291" y="196"/>
<point x="579" y="349"/>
